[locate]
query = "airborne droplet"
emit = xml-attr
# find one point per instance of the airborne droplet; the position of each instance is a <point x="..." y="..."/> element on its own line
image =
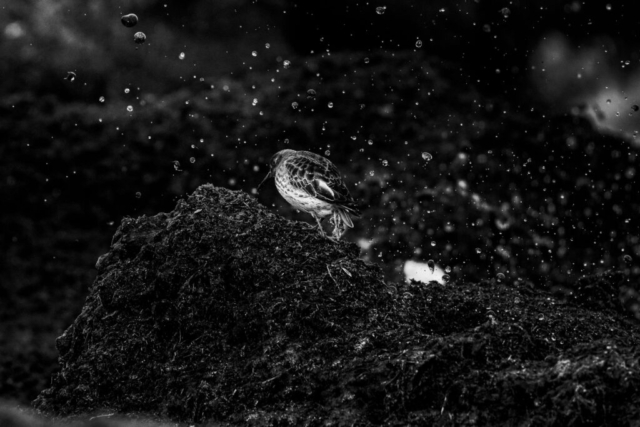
<point x="71" y="76"/>
<point x="500" y="277"/>
<point x="311" y="93"/>
<point x="432" y="265"/>
<point x="385" y="163"/>
<point x="129" y="108"/>
<point x="626" y="258"/>
<point x="418" y="43"/>
<point x="380" y="10"/>
<point x="138" y="195"/>
<point x="139" y="37"/>
<point x="254" y="53"/>
<point x="330" y="105"/>
<point x="192" y="159"/>
<point x="181" y="56"/>
<point x="427" y="156"/>
<point x="101" y="99"/>
<point x="129" y="20"/>
<point x="294" y="105"/>
<point x="286" y="63"/>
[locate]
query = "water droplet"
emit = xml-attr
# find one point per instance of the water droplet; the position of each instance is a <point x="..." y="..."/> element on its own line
<point x="419" y="43"/>
<point x="129" y="108"/>
<point x="254" y="102"/>
<point x="286" y="141"/>
<point x="330" y="105"/>
<point x="380" y="10"/>
<point x="254" y="53"/>
<point x="502" y="223"/>
<point x="626" y="258"/>
<point x="385" y="163"/>
<point x="433" y="243"/>
<point x="311" y="93"/>
<point x="362" y="106"/>
<point x="286" y="63"/>
<point x="447" y="269"/>
<point x="176" y="165"/>
<point x="138" y="195"/>
<point x="608" y="6"/>
<point x="294" y="105"/>
<point x="192" y="159"/>
<point x="370" y="142"/>
<point x="432" y="265"/>
<point x="126" y="90"/>
<point x="181" y="56"/>
<point x="427" y="156"/>
<point x="129" y="20"/>
<point x="366" y="60"/>
<point x="446" y="278"/>
<point x="478" y="250"/>
<point x="101" y="99"/>
<point x="327" y="153"/>
<point x="139" y="37"/>
<point x="71" y="76"/>
<point x="505" y="12"/>
<point x="372" y="173"/>
<point x="500" y="277"/>
<point x="267" y="45"/>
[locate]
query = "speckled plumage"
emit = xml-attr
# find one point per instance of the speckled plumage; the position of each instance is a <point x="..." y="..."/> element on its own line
<point x="311" y="183"/>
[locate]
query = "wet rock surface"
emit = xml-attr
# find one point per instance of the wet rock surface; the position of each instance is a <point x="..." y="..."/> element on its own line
<point x="223" y="311"/>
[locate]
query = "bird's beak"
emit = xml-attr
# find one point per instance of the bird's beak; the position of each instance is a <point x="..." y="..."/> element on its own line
<point x="265" y="178"/>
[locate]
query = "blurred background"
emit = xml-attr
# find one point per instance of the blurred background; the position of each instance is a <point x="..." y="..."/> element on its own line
<point x="494" y="138"/>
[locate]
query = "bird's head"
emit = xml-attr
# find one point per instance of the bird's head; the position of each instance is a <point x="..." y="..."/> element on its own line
<point x="275" y="161"/>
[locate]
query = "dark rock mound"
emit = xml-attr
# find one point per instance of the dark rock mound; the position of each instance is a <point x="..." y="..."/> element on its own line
<point x="224" y="311"/>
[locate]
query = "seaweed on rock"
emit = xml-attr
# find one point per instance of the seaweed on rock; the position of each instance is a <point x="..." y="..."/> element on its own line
<point x="224" y="311"/>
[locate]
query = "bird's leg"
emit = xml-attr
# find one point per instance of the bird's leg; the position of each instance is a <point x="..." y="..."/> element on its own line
<point x="319" y="221"/>
<point x="338" y="231"/>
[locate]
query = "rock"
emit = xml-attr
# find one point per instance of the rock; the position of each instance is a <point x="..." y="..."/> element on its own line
<point x="222" y="310"/>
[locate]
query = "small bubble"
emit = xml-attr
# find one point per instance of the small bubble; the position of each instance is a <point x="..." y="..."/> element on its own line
<point x="139" y="37"/>
<point x="427" y="156"/>
<point x="192" y="159"/>
<point x="71" y="76"/>
<point x="176" y="165"/>
<point x="181" y="56"/>
<point x="101" y="99"/>
<point x="446" y="278"/>
<point x="366" y="60"/>
<point x="626" y="258"/>
<point x="385" y="163"/>
<point x="129" y="108"/>
<point x="267" y="45"/>
<point x="362" y="106"/>
<point x="432" y="265"/>
<point x="608" y="101"/>
<point x="138" y="195"/>
<point x="447" y="269"/>
<point x="354" y="137"/>
<point x="635" y="108"/>
<point x="330" y="105"/>
<point x="254" y="53"/>
<point x="286" y="63"/>
<point x="370" y="142"/>
<point x="608" y="6"/>
<point x="311" y="93"/>
<point x="254" y="102"/>
<point x="500" y="277"/>
<point x="505" y="12"/>
<point x="129" y="20"/>
<point x="380" y="10"/>
<point x="419" y="43"/>
<point x="294" y="105"/>
<point x="327" y="153"/>
<point x="126" y="90"/>
<point x="372" y="173"/>
<point x="286" y="141"/>
<point x="478" y="250"/>
<point x="433" y="243"/>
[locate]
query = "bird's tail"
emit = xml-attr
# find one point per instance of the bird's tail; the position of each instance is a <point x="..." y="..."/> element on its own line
<point x="344" y="217"/>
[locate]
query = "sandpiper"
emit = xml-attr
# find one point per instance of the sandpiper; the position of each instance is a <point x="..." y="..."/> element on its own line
<point x="311" y="183"/>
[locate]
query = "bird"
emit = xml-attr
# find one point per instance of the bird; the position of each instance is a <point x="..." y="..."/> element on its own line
<point x="311" y="183"/>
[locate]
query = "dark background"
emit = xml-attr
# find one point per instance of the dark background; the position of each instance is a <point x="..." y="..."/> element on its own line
<point x="71" y="165"/>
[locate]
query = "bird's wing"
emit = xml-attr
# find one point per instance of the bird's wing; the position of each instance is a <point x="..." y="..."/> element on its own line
<point x="319" y="178"/>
